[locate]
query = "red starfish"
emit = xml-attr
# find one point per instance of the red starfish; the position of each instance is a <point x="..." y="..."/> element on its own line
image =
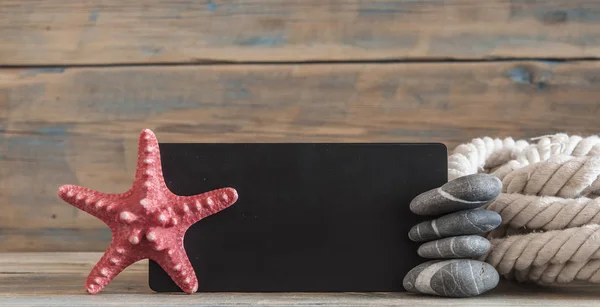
<point x="147" y="221"/>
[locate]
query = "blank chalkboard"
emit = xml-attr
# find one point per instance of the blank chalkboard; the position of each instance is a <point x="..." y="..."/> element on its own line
<point x="310" y="217"/>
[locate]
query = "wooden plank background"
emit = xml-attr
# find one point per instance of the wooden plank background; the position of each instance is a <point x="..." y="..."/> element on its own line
<point x="80" y="79"/>
<point x="54" y="32"/>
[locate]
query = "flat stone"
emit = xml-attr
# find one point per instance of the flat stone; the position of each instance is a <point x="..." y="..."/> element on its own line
<point x="452" y="278"/>
<point x="455" y="247"/>
<point x="467" y="222"/>
<point x="468" y="192"/>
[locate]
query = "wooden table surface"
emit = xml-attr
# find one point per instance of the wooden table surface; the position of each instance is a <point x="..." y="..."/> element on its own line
<point x="56" y="279"/>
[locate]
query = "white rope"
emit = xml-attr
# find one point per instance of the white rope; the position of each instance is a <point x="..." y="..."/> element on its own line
<point x="545" y="213"/>
<point x="550" y="212"/>
<point x="504" y="155"/>
<point x="560" y="175"/>
<point x="482" y="154"/>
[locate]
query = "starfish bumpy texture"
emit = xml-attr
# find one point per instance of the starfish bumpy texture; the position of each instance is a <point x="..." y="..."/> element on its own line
<point x="147" y="221"/>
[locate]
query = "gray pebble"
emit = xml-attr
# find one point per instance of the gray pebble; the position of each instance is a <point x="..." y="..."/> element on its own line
<point x="452" y="278"/>
<point x="468" y="192"/>
<point x="468" y="222"/>
<point x="455" y="247"/>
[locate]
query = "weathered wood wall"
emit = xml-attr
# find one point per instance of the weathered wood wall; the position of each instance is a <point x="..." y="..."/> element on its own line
<point x="80" y="79"/>
<point x="184" y="31"/>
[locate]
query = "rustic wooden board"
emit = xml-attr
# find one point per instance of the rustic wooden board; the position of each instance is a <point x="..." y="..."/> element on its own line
<point x="134" y="31"/>
<point x="80" y="125"/>
<point x="56" y="279"/>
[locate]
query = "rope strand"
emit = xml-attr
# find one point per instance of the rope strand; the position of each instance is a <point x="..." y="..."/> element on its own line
<point x="545" y="212"/>
<point x="518" y="252"/>
<point x="562" y="176"/>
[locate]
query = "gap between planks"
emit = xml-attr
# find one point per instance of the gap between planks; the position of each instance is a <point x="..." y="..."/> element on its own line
<point x="208" y="62"/>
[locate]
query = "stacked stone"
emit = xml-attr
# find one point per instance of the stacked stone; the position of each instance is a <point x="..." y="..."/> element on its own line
<point x="454" y="234"/>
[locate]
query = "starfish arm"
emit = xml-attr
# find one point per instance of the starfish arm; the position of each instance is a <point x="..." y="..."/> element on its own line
<point x="178" y="267"/>
<point x="149" y="169"/>
<point x="93" y="202"/>
<point x="114" y="261"/>
<point x="194" y="208"/>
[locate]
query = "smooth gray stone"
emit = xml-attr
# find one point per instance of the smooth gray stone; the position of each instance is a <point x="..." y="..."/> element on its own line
<point x="468" y="192"/>
<point x="455" y="247"/>
<point x="467" y="222"/>
<point x="452" y="278"/>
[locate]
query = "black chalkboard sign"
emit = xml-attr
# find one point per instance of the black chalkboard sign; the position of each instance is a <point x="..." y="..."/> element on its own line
<point x="310" y="217"/>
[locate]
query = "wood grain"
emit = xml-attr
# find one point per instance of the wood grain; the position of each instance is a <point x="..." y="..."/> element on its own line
<point x="61" y="32"/>
<point x="80" y="125"/>
<point x="56" y="279"/>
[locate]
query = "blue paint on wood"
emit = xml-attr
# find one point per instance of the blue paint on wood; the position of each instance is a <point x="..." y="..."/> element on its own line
<point x="520" y="75"/>
<point x="118" y="96"/>
<point x="93" y="16"/>
<point x="481" y="45"/>
<point x="211" y="5"/>
<point x="150" y="51"/>
<point x="44" y="70"/>
<point x="380" y="8"/>
<point x="46" y="143"/>
<point x="379" y="12"/>
<point x="389" y="90"/>
<point x="243" y="92"/>
<point x="262" y="41"/>
<point x="125" y="108"/>
<point x="587" y="15"/>
<point x="373" y="40"/>
<point x="2" y="143"/>
<point x="540" y="86"/>
<point x="53" y="131"/>
<point x="550" y="62"/>
<point x="553" y="17"/>
<point x="33" y="142"/>
<point x="235" y="89"/>
<point x="551" y="14"/>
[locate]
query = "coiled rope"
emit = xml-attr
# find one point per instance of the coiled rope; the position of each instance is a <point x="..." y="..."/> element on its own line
<point x="550" y="205"/>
